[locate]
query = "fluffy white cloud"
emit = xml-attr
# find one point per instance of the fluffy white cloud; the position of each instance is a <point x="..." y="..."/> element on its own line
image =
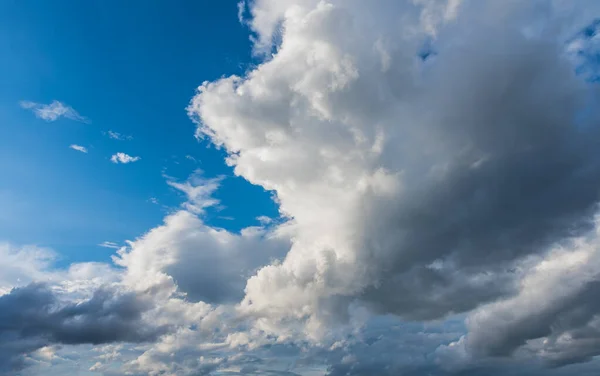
<point x="53" y="111"/>
<point x="207" y="264"/>
<point x="23" y="265"/>
<point x="78" y="148"/>
<point x="414" y="186"/>
<point x="123" y="158"/>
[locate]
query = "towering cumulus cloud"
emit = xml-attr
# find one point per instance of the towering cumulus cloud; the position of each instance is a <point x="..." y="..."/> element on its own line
<point x="437" y="169"/>
<point x="431" y="158"/>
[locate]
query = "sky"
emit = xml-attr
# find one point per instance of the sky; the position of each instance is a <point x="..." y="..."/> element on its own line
<point x="299" y="187"/>
<point x="129" y="71"/>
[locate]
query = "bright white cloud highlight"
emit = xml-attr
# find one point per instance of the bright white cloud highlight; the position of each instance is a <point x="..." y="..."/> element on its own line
<point x="123" y="158"/>
<point x="78" y="148"/>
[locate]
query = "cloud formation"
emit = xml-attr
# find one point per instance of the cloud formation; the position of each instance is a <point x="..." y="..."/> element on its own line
<point x="79" y="148"/>
<point x="437" y="169"/>
<point x="118" y="136"/>
<point x="53" y="111"/>
<point x="207" y="264"/>
<point x="33" y="317"/>
<point x="414" y="187"/>
<point x="123" y="158"/>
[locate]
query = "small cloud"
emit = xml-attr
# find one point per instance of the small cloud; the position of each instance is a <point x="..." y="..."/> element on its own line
<point x="123" y="158"/>
<point x="118" y="136"/>
<point x="153" y="200"/>
<point x="241" y="10"/>
<point x="191" y="158"/>
<point x="80" y="148"/>
<point x="198" y="191"/>
<point x="96" y="367"/>
<point x="226" y="218"/>
<point x="53" y="111"/>
<point x="264" y="220"/>
<point x="110" y="245"/>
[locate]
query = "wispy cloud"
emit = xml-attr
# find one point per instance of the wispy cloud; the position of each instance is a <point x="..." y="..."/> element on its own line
<point x="123" y="158"/>
<point x="199" y="191"/>
<point x="53" y="111"/>
<point x="80" y="148"/>
<point x="110" y="245"/>
<point x="153" y="200"/>
<point x="241" y="10"/>
<point x="191" y="158"/>
<point x="118" y="136"/>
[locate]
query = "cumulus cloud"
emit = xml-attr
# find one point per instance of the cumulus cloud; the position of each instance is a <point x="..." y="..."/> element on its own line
<point x="78" y="148"/>
<point x="33" y="317"/>
<point x="415" y="188"/>
<point x="207" y="264"/>
<point x="123" y="158"/>
<point x="436" y="169"/>
<point x="53" y="111"/>
<point x="554" y="315"/>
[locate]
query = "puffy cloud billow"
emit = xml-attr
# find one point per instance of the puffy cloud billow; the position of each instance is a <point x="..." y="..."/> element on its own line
<point x="416" y="184"/>
<point x="437" y="169"/>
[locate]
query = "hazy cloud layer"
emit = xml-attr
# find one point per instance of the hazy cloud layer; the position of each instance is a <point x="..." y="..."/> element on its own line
<point x="53" y="111"/>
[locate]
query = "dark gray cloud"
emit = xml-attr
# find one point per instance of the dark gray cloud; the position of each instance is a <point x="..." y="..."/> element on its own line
<point x="517" y="174"/>
<point x="32" y="317"/>
<point x="570" y="327"/>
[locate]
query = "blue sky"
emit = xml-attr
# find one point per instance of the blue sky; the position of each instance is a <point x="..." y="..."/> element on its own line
<point x="129" y="67"/>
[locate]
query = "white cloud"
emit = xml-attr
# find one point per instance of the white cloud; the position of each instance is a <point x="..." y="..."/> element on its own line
<point x="198" y="191"/>
<point x="79" y="148"/>
<point x="412" y="188"/>
<point x="241" y="6"/>
<point x="207" y="264"/>
<point x="111" y="245"/>
<point x="53" y="111"/>
<point x="22" y="265"/>
<point x="123" y="158"/>
<point x="264" y="220"/>
<point x="118" y="136"/>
